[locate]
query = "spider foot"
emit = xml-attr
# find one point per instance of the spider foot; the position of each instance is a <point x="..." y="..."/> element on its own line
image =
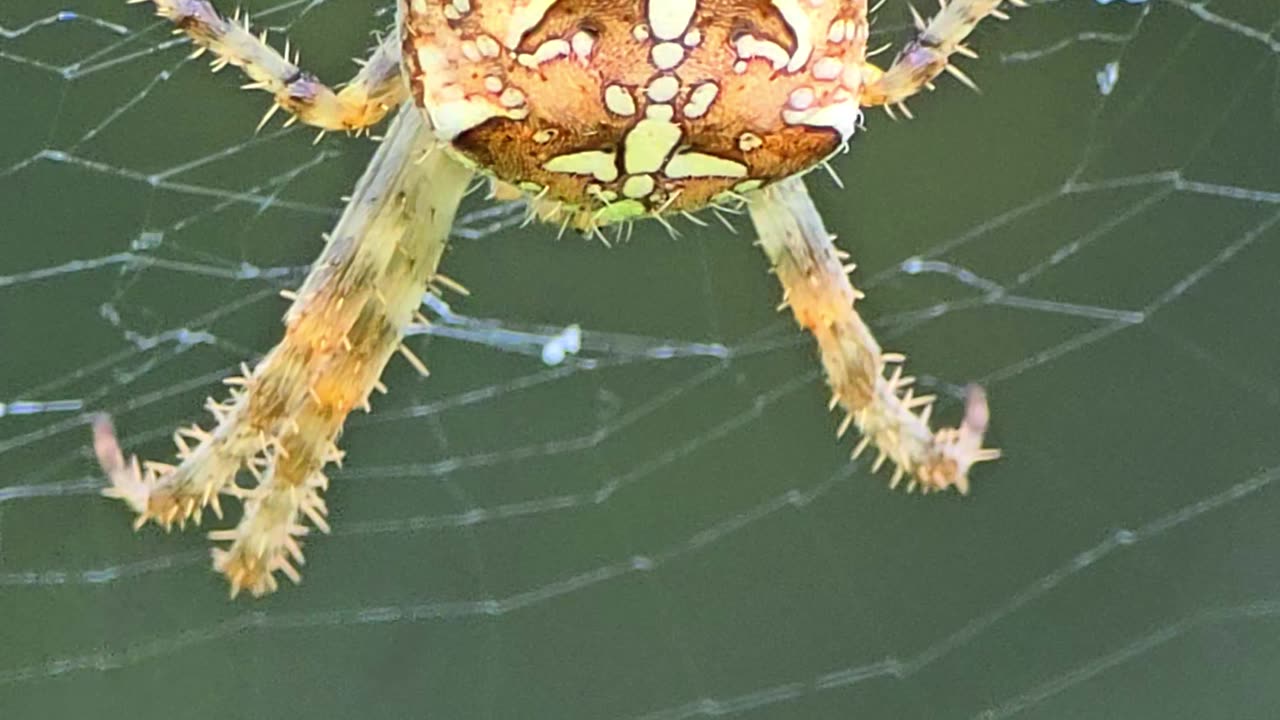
<point x="267" y="540"/>
<point x="159" y="492"/>
<point x="289" y="483"/>
<point x="943" y="460"/>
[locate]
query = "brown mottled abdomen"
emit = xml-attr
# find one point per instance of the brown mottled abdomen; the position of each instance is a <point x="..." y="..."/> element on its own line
<point x="622" y="108"/>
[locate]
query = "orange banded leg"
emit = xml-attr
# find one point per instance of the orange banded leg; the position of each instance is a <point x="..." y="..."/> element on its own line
<point x="361" y="103"/>
<point x="890" y="416"/>
<point x="284" y="416"/>
<point x="929" y="54"/>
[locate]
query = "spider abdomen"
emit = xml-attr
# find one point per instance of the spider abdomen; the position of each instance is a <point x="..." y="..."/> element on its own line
<point x="608" y="111"/>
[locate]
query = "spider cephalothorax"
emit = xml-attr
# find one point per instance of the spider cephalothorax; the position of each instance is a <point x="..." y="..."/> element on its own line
<point x="619" y="109"/>
<point x="598" y="111"/>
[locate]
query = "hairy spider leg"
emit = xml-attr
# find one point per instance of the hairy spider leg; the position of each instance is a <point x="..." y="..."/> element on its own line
<point x="363" y="102"/>
<point x="815" y="281"/>
<point x="284" y="417"/>
<point x="929" y="54"/>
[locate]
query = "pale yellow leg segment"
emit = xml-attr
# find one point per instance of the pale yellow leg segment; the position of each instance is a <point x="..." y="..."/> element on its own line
<point x="816" y="287"/>
<point x="361" y="103"/>
<point x="929" y="54"/>
<point x="346" y="321"/>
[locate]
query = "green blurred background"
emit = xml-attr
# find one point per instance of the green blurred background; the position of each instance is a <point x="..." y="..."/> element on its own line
<point x="664" y="526"/>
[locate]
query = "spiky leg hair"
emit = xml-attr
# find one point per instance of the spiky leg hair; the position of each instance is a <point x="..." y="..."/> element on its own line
<point x="816" y="286"/>
<point x="929" y="53"/>
<point x="363" y="102"/>
<point x="283" y="418"/>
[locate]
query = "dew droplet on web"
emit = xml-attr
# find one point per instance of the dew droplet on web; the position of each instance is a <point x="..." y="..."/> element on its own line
<point x="1107" y="77"/>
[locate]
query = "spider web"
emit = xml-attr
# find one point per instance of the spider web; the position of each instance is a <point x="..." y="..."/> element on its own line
<point x="660" y="526"/>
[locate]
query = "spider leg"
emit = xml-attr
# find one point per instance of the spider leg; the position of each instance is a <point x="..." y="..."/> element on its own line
<point x="816" y="287"/>
<point x="360" y="104"/>
<point x="929" y="54"/>
<point x="283" y="419"/>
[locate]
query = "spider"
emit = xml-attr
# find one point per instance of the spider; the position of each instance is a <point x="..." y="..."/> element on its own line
<point x="596" y="113"/>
